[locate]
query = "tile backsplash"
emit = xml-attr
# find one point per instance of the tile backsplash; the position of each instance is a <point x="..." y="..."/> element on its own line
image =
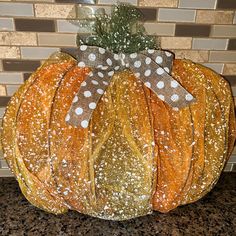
<point x="30" y="30"/>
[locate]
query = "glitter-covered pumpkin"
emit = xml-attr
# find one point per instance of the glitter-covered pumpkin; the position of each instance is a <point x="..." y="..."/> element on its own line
<point x="137" y="154"/>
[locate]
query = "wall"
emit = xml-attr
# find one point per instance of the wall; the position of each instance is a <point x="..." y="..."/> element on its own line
<point x="201" y="30"/>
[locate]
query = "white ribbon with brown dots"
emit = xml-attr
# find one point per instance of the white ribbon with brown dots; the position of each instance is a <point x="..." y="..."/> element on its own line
<point x="152" y="67"/>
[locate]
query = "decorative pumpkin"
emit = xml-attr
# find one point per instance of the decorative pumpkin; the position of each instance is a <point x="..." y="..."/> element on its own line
<point x="137" y="153"/>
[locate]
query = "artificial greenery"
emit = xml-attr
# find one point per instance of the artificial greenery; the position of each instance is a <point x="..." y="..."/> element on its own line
<point x="120" y="32"/>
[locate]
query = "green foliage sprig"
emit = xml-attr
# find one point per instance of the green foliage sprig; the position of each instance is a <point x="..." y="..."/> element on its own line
<point x="120" y="32"/>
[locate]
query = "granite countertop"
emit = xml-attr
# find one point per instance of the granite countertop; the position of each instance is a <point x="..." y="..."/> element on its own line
<point x="215" y="214"/>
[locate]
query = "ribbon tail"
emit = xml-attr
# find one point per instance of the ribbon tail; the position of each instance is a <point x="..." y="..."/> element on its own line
<point x="163" y="84"/>
<point x="169" y="90"/>
<point x="87" y="98"/>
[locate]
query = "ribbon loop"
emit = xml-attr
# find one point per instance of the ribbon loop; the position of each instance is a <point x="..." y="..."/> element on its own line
<point x="152" y="67"/>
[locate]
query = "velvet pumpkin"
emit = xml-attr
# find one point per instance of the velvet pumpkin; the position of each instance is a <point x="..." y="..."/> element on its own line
<point x="136" y="156"/>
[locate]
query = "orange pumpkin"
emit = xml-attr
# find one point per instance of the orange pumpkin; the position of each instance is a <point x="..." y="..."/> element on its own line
<point x="137" y="155"/>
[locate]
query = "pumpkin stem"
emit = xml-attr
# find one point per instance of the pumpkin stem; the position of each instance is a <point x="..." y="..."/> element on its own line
<point x="120" y="32"/>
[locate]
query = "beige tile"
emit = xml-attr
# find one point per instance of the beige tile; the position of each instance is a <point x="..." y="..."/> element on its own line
<point x="2" y="111"/>
<point x="217" y="67"/>
<point x="222" y="56"/>
<point x="194" y="55"/>
<point x="9" y="52"/>
<point x="176" y="15"/>
<point x="17" y="38"/>
<point x="2" y="90"/>
<point x="33" y="0"/>
<point x="234" y="91"/>
<point x="228" y="167"/>
<point x="37" y="52"/>
<point x="234" y="22"/>
<point x="46" y="39"/>
<point x="199" y="4"/>
<point x="6" y="24"/>
<point x="1" y="69"/>
<point x="10" y="78"/>
<point x="163" y="29"/>
<point x="209" y="44"/>
<point x="16" y="9"/>
<point x="55" y="11"/>
<point x="229" y="69"/>
<point x="232" y="159"/>
<point x="85" y="12"/>
<point x="158" y="3"/>
<point x="223" y="31"/>
<point x="6" y="173"/>
<point x="4" y="164"/>
<point x="214" y="17"/>
<point x="111" y="2"/>
<point x="176" y="42"/>
<point x="11" y="89"/>
<point x="71" y="26"/>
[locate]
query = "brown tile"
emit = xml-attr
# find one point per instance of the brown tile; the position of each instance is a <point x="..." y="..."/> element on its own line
<point x="194" y="55"/>
<point x="232" y="44"/>
<point x="214" y="17"/>
<point x="192" y="30"/>
<point x="231" y="79"/>
<point x="4" y="101"/>
<point x="226" y="4"/>
<point x="34" y="25"/>
<point x="2" y="90"/>
<point x="18" y="38"/>
<point x="9" y="52"/>
<point x="26" y="76"/>
<point x="77" y="1"/>
<point x="148" y="13"/>
<point x="20" y="65"/>
<point x="230" y="69"/>
<point x="158" y="3"/>
<point x="55" y="10"/>
<point x="176" y="42"/>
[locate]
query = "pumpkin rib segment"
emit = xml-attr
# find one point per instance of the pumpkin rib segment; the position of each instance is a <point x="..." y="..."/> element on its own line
<point x="224" y="157"/>
<point x="147" y="94"/>
<point x="59" y="133"/>
<point x="182" y="69"/>
<point x="127" y="130"/>
<point x="26" y="87"/>
<point x="213" y="182"/>
<point x="206" y="155"/>
<point x="118" y="155"/>
<point x="167" y="197"/>
<point x="13" y="103"/>
<point x="49" y="131"/>
<point x="51" y="194"/>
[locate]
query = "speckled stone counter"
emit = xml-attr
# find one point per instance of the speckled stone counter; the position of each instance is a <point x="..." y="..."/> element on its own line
<point x="215" y="214"/>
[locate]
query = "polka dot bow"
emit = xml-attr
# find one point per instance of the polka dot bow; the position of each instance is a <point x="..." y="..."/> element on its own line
<point x="151" y="66"/>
